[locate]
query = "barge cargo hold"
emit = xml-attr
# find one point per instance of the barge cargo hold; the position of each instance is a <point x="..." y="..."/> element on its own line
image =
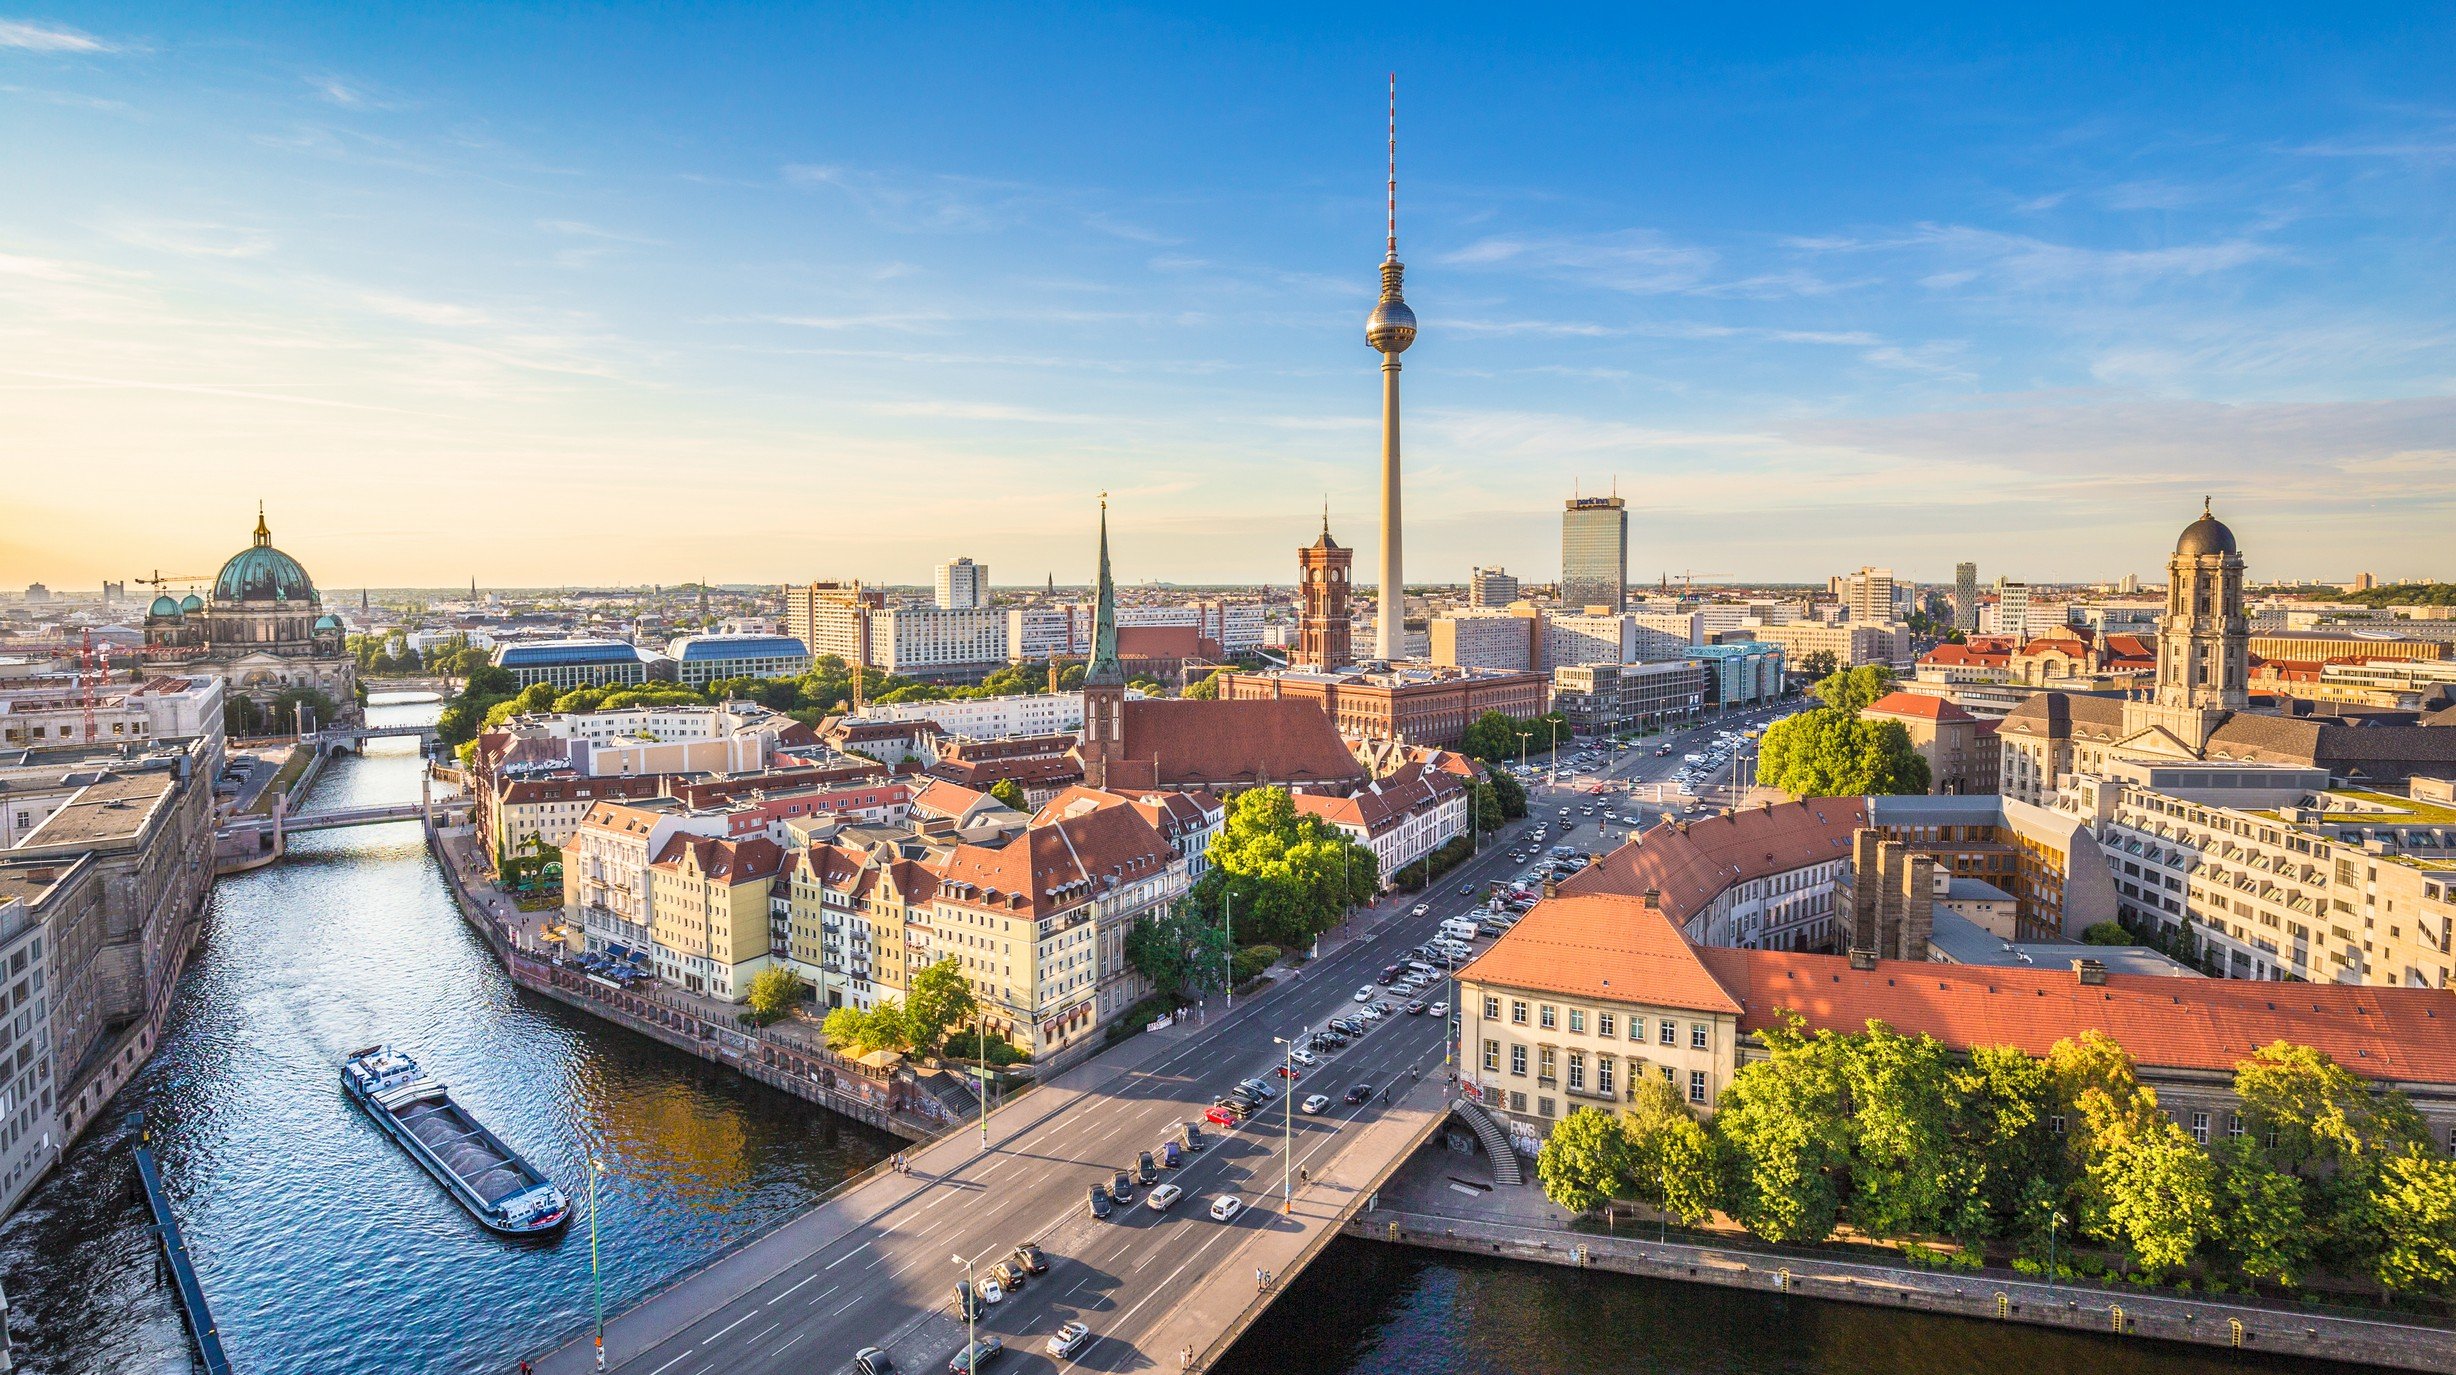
<point x="506" y="1194"/>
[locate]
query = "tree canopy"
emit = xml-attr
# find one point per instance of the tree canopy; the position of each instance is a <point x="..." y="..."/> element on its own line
<point x="1835" y="752"/>
<point x="1282" y="876"/>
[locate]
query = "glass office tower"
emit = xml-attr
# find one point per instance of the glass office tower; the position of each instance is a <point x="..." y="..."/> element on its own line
<point x="1595" y="553"/>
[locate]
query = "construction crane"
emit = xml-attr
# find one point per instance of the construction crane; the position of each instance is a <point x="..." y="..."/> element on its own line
<point x="161" y="580"/>
<point x="1688" y="577"/>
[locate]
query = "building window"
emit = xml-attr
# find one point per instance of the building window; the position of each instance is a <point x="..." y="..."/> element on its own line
<point x="1698" y="1035"/>
<point x="1543" y="1107"/>
<point x="1492" y="1055"/>
<point x="1667" y="1078"/>
<point x="2055" y="1123"/>
<point x="1668" y="1033"/>
<point x="1606" y="1024"/>
<point x="1545" y="1066"/>
<point x="2234" y="1127"/>
<point x="2200" y="1127"/>
<point x="1517" y="1011"/>
<point x="1517" y="1102"/>
<point x="1577" y="1072"/>
<point x="1697" y="1086"/>
<point x="1577" y="1020"/>
<point x="1492" y="1008"/>
<point x="1603" y="1080"/>
<point x="1547" y="1017"/>
<point x="1517" y="1059"/>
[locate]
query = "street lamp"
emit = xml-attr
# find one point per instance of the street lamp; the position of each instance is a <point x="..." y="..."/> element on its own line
<point x="1227" y="950"/>
<point x="2054" y="1219"/>
<point x="596" y="1283"/>
<point x="1287" y="1124"/>
<point x="1552" y="726"/>
<point x="1523" y="737"/>
<point x="972" y="1316"/>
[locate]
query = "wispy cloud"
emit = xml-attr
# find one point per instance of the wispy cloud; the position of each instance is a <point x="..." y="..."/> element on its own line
<point x="49" y="38"/>
<point x="1633" y="260"/>
<point x="985" y="410"/>
<point x="194" y="238"/>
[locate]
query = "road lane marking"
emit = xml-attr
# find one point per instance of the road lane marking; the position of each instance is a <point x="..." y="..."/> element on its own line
<point x="847" y="1256"/>
<point x="824" y="1293"/>
<point x="848" y="1303"/>
<point x="790" y="1341"/>
<point x="796" y="1285"/>
<point x="686" y="1355"/>
<point x="728" y="1327"/>
<point x="753" y="1339"/>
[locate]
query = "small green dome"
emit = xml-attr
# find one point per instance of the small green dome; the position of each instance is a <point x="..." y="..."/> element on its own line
<point x="163" y="605"/>
<point x="328" y="621"/>
<point x="191" y="602"/>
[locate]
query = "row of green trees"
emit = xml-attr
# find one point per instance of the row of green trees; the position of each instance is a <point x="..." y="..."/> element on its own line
<point x="939" y="1001"/>
<point x="1278" y="878"/>
<point x="2321" y="1174"/>
<point x="1831" y="750"/>
<point x="1496" y="737"/>
<point x="827" y="688"/>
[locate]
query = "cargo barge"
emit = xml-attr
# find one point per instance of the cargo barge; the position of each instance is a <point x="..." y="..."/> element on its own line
<point x="506" y="1194"/>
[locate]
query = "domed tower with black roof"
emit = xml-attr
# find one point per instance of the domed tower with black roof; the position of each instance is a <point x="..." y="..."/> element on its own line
<point x="2204" y="640"/>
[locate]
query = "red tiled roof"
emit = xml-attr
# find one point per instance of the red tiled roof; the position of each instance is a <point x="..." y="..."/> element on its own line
<point x="1159" y="642"/>
<point x="2406" y="1034"/>
<point x="1387" y="801"/>
<point x="732" y="861"/>
<point x="1914" y="704"/>
<point x="1690" y="864"/>
<point x="1172" y="742"/>
<point x="1600" y="945"/>
<point x="1055" y="865"/>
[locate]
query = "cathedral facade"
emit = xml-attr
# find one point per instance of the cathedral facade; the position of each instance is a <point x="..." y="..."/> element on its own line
<point x="261" y="631"/>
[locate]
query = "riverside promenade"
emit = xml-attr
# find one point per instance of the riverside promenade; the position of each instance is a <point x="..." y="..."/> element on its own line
<point x="1444" y="1201"/>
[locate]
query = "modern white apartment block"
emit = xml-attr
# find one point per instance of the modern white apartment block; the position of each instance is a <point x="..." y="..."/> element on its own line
<point x="962" y="585"/>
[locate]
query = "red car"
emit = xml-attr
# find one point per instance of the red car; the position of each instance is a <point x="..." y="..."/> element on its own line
<point x="1219" y="1117"/>
<point x="1284" y="1072"/>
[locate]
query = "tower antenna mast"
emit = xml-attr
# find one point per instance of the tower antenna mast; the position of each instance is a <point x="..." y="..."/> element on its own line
<point x="1394" y="166"/>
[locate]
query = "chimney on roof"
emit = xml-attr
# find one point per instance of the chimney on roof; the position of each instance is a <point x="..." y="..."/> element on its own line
<point x="1863" y="960"/>
<point x="1654" y="899"/>
<point x="2092" y="973"/>
<point x="1552" y="886"/>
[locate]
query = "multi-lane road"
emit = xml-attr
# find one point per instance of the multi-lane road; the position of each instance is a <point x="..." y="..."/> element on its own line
<point x="885" y="1275"/>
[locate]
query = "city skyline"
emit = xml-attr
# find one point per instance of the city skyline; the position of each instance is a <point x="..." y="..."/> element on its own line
<point x="2042" y="303"/>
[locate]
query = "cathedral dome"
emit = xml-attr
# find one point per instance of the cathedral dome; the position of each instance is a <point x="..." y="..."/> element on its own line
<point x="262" y="573"/>
<point x="328" y="621"/>
<point x="164" y="605"/>
<point x="191" y="602"/>
<point x="2207" y="535"/>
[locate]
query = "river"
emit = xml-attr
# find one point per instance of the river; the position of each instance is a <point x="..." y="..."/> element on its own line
<point x="327" y="1252"/>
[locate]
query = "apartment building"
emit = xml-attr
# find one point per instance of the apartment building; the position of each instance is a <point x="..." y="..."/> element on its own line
<point x="1400" y="818"/>
<point x="990" y="718"/>
<point x="1491" y="588"/>
<point x="1850" y="644"/>
<point x="605" y="870"/>
<point x="2264" y="871"/>
<point x="30" y="1136"/>
<point x="962" y="585"/>
<point x="1760" y="877"/>
<point x="708" y="912"/>
<point x="50" y="712"/>
<point x="832" y="618"/>
<point x="1742" y="674"/>
<point x="1960" y="749"/>
<point x="1612" y="699"/>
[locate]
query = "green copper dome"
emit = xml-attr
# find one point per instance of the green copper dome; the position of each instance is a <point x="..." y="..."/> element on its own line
<point x="328" y="621"/>
<point x="262" y="573"/>
<point x="191" y="602"/>
<point x="164" y="605"/>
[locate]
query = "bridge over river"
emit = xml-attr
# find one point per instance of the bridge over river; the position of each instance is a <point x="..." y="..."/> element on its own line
<point x="875" y="1265"/>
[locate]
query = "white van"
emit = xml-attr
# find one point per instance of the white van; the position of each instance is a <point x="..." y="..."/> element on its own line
<point x="1458" y="928"/>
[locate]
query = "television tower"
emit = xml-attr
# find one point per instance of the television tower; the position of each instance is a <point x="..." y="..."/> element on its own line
<point x="1390" y="329"/>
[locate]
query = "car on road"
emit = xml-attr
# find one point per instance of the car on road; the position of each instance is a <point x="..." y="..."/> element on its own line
<point x="1304" y="1057"/>
<point x="1415" y="1007"/>
<point x="968" y="1302"/>
<point x="1466" y="890"/>
<point x="1441" y="1009"/>
<point x="1315" y="1103"/>
<point x="1373" y="1013"/>
<point x="1389" y="972"/>
<point x="1358" y="1093"/>
<point x="1170" y="1155"/>
<point x="1287" y="1072"/>
<point x="1225" y="1207"/>
<point x="1029" y="1257"/>
<point x="1100" y="1203"/>
<point x="1146" y="1170"/>
<point x="1068" y="1340"/>
<point x="977" y="1356"/>
<point x="1216" y="1116"/>
<point x="1008" y="1274"/>
<point x="870" y="1360"/>
<point x="1162" y="1196"/>
<point x="992" y="1291"/>
<point x="1365" y="994"/>
<point x="1420" y="909"/>
<point x="1121" y="1187"/>
<point x="1190" y="1135"/>
<point x="1259" y="1086"/>
<point x="1517" y="857"/>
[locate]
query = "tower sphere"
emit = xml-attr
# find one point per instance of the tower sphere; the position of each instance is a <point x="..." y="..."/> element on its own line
<point x="1392" y="326"/>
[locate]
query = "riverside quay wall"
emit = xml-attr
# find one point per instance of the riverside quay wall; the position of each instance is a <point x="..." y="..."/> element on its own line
<point x="881" y="1098"/>
<point x="1983" y="1297"/>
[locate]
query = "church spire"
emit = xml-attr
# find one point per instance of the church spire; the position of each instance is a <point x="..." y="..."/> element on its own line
<point x="1104" y="668"/>
<point x="264" y="536"/>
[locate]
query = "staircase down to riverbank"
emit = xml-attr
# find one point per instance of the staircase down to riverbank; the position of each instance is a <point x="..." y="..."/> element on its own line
<point x="1495" y="1141"/>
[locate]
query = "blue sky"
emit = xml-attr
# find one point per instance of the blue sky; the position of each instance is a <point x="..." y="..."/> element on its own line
<point x="635" y="294"/>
